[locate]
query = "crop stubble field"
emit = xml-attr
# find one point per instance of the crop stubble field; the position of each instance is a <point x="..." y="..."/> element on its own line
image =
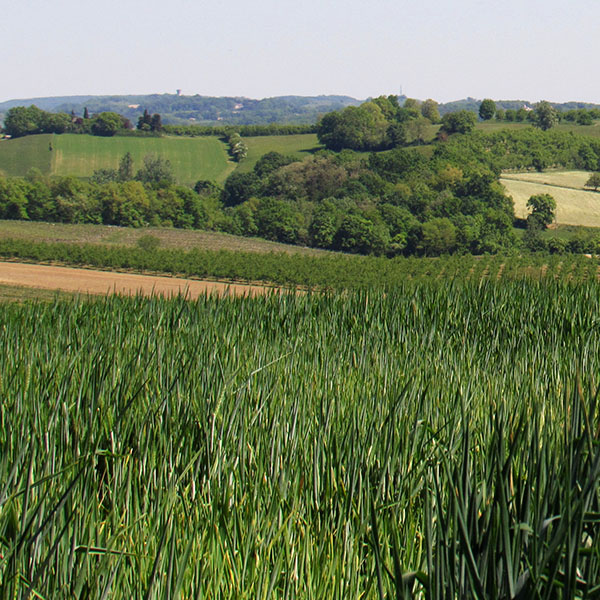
<point x="574" y="205"/>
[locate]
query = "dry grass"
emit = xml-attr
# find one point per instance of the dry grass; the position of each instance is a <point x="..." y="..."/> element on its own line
<point x="567" y="179"/>
<point x="17" y="293"/>
<point x="574" y="205"/>
<point x="169" y="238"/>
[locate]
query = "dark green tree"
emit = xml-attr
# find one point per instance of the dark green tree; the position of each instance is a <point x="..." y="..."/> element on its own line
<point x="21" y="120"/>
<point x="156" y="122"/>
<point x="487" y="109"/>
<point x="361" y="234"/>
<point x="461" y="121"/>
<point x="239" y="187"/>
<point x="542" y="208"/>
<point x="362" y="127"/>
<point x="145" y="121"/>
<point x="279" y="220"/>
<point x="126" y="167"/>
<point x="106" y="124"/>
<point x="271" y="161"/>
<point x="206" y="188"/>
<point x="593" y="181"/>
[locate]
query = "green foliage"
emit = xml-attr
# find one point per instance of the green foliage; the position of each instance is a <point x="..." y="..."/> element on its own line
<point x="439" y="237"/>
<point x="149" y="122"/>
<point x="359" y="128"/>
<point x="271" y="161"/>
<point x="487" y="109"/>
<point x="430" y="110"/>
<point x="462" y="121"/>
<point x="156" y="171"/>
<point x="237" y="147"/>
<point x="362" y="235"/>
<point x="280" y="221"/>
<point x="593" y="181"/>
<point x="148" y="242"/>
<point x="247" y="446"/>
<point x="542" y="210"/>
<point x="546" y="115"/>
<point x="239" y="187"/>
<point x="106" y="124"/>
<point x="21" y="121"/>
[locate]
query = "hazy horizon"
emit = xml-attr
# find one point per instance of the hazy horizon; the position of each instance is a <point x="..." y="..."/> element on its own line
<point x="534" y="50"/>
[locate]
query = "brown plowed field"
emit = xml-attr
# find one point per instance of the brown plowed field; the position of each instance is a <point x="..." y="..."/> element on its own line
<point x="107" y="282"/>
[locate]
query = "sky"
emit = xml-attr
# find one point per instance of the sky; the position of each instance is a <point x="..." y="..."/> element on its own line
<point x="446" y="50"/>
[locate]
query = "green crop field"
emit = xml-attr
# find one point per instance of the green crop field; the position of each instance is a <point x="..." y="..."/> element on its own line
<point x="192" y="158"/>
<point x="80" y="155"/>
<point x="301" y="146"/>
<point x="20" y="155"/>
<point x="437" y="441"/>
<point x="574" y="205"/>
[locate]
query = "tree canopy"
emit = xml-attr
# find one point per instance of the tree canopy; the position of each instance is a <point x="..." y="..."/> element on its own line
<point x="487" y="109"/>
<point x="546" y="116"/>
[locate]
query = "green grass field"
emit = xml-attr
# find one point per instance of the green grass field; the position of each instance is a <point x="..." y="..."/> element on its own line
<point x="80" y="155"/>
<point x="20" y="155"/>
<point x="192" y="158"/>
<point x="300" y="146"/>
<point x="574" y="205"/>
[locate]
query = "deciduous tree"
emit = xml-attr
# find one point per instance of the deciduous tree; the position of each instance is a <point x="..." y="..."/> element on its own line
<point x="461" y="121"/>
<point x="593" y="181"/>
<point x="487" y="109"/>
<point x="429" y="109"/>
<point x="546" y="115"/>
<point x="542" y="210"/>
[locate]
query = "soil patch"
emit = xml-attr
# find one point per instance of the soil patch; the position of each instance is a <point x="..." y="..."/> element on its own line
<point x="87" y="281"/>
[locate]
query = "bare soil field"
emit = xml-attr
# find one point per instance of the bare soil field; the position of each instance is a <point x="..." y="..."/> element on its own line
<point x="86" y="281"/>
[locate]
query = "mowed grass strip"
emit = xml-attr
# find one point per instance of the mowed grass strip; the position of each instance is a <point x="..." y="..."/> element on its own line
<point x="20" y="155"/>
<point x="573" y="206"/>
<point x="191" y="158"/>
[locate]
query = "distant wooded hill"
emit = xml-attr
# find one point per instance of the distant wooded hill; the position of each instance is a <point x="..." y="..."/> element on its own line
<point x="202" y="110"/>
<point x="208" y="110"/>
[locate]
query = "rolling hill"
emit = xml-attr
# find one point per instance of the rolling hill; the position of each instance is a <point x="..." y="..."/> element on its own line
<point x="191" y="158"/>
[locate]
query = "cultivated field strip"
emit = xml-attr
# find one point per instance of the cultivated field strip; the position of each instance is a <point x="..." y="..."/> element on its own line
<point x="327" y="271"/>
<point x="440" y="441"/>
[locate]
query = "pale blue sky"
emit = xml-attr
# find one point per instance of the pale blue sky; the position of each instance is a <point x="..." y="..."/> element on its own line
<point x="446" y="50"/>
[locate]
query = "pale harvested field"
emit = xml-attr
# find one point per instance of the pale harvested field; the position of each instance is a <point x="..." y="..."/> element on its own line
<point x="86" y="281"/>
<point x="568" y="179"/>
<point x="574" y="205"/>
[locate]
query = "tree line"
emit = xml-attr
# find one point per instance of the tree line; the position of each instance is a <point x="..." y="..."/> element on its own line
<point x="21" y="121"/>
